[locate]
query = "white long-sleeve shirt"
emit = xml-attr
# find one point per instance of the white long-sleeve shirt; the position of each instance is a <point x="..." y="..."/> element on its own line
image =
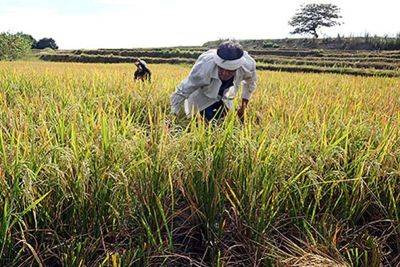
<point x="200" y="89"/>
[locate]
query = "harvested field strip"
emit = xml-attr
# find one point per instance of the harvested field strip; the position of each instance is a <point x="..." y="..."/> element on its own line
<point x="290" y="53"/>
<point x="345" y="59"/>
<point x="314" y="69"/>
<point x="362" y="55"/>
<point x="182" y="48"/>
<point x="305" y="61"/>
<point x="194" y="53"/>
<point x="275" y="67"/>
<point x="182" y="53"/>
<point x="163" y="54"/>
<point x="110" y="59"/>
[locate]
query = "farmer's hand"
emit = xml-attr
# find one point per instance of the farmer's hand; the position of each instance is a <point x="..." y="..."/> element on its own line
<point x="175" y="110"/>
<point x="242" y="109"/>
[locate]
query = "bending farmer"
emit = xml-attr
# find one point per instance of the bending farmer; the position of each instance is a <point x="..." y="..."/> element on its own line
<point x="142" y="72"/>
<point x="215" y="80"/>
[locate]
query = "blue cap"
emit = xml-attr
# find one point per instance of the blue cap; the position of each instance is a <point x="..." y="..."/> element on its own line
<point x="230" y="50"/>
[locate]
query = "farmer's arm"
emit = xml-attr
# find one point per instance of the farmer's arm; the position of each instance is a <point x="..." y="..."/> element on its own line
<point x="196" y="79"/>
<point x="183" y="91"/>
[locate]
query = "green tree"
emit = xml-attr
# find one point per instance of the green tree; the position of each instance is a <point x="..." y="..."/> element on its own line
<point x="28" y="37"/>
<point x="311" y="17"/>
<point x="46" y="43"/>
<point x="13" y="46"/>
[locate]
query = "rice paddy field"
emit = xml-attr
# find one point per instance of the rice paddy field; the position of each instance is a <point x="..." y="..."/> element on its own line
<point x="95" y="171"/>
<point x="360" y="63"/>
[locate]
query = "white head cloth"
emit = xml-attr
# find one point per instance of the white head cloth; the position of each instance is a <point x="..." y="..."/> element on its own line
<point x="228" y="64"/>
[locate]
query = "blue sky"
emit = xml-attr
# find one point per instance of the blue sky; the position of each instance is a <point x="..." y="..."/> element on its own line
<point x="115" y="23"/>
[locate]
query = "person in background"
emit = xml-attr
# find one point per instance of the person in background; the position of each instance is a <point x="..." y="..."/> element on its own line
<point x="214" y="81"/>
<point x="142" y="72"/>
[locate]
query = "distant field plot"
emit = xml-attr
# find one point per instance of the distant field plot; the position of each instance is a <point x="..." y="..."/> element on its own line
<point x="95" y="171"/>
<point x="364" y="63"/>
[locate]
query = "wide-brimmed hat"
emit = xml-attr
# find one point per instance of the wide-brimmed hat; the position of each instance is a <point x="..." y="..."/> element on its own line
<point x="229" y="56"/>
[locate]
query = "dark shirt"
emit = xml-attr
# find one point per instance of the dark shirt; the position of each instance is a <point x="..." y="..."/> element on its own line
<point x="225" y="84"/>
<point x="142" y="72"/>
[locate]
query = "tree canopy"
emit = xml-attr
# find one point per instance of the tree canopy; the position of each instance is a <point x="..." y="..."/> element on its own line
<point x="13" y="46"/>
<point x="46" y="43"/>
<point x="311" y="17"/>
<point x="29" y="38"/>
